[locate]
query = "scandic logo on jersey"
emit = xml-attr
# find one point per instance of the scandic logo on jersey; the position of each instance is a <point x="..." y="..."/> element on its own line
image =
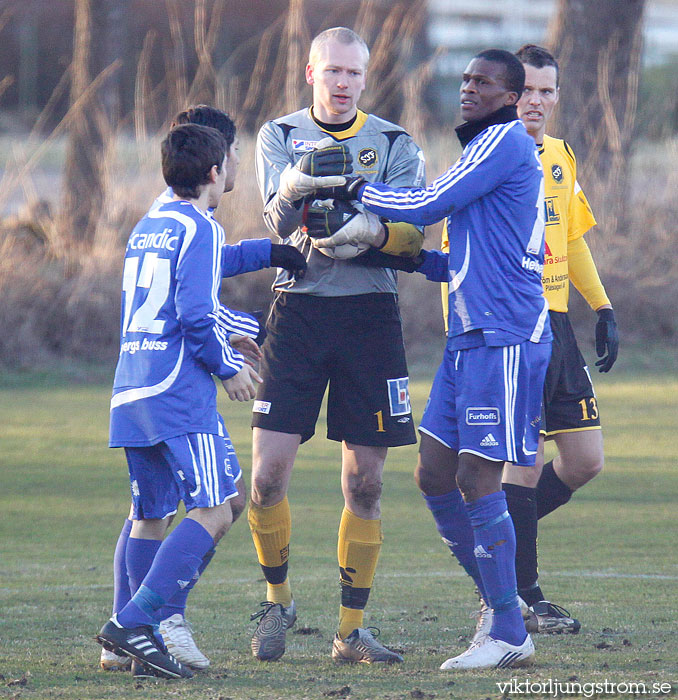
<point x="141" y="241"/>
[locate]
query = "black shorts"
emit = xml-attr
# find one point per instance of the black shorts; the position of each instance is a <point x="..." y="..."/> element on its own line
<point x="569" y="400"/>
<point x="353" y="342"/>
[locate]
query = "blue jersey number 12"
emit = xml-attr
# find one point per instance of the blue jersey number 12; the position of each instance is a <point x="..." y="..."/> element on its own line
<point x="154" y="276"/>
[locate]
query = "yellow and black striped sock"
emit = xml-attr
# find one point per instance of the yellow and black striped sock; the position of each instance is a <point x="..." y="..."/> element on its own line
<point x="271" y="529"/>
<point x="358" y="552"/>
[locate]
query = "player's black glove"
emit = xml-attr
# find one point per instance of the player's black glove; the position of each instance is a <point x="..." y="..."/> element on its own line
<point x="289" y="258"/>
<point x="375" y="258"/>
<point x="607" y="340"/>
<point x="335" y="159"/>
<point x="348" y="191"/>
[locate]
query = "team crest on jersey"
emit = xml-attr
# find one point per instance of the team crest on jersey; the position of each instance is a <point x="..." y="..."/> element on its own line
<point x="399" y="396"/>
<point x="303" y="146"/>
<point x="367" y="157"/>
<point x="557" y="172"/>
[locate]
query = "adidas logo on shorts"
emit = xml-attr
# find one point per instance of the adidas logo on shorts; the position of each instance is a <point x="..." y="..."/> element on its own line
<point x="481" y="553"/>
<point x="489" y="441"/>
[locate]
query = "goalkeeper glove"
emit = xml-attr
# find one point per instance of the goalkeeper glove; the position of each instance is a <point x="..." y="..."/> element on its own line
<point x="289" y="258"/>
<point x="323" y="217"/>
<point x="323" y="167"/>
<point x="607" y="340"/>
<point x="345" y="223"/>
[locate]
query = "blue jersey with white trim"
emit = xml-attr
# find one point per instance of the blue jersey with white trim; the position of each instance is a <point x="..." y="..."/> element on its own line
<point x="493" y="198"/>
<point x="173" y="330"/>
<point x="236" y="259"/>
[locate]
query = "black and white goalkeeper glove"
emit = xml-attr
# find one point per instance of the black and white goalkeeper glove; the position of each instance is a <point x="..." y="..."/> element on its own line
<point x="326" y="166"/>
<point x="342" y="223"/>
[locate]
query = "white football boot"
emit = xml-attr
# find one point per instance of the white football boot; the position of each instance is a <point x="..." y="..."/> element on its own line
<point x="492" y="653"/>
<point x="178" y="637"/>
<point x="110" y="661"/>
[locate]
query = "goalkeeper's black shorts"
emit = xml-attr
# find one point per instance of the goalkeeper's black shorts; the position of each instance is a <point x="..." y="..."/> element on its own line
<point x="569" y="403"/>
<point x="353" y="342"/>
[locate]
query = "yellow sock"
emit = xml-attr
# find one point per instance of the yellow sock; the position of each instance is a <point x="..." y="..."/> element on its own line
<point x="271" y="530"/>
<point x="279" y="592"/>
<point x="349" y="620"/>
<point x="358" y="552"/>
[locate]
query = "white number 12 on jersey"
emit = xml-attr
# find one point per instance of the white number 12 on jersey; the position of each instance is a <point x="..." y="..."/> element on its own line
<point x="154" y="276"/>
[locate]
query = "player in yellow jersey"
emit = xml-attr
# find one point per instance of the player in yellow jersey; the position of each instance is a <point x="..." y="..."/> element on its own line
<point x="570" y="411"/>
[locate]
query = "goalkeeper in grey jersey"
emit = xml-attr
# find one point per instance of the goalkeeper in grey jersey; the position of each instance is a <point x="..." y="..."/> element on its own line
<point x="340" y="325"/>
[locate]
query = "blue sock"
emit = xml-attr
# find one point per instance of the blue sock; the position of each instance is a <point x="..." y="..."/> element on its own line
<point x="173" y="567"/>
<point x="139" y="556"/>
<point x="454" y="526"/>
<point x="495" y="551"/>
<point x="121" y="591"/>
<point x="177" y="606"/>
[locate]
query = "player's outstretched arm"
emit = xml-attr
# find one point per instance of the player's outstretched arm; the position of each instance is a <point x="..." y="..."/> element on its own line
<point x="243" y="385"/>
<point x="474" y="175"/>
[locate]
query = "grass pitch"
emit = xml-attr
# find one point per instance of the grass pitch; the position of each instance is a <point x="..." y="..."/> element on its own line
<point x="609" y="556"/>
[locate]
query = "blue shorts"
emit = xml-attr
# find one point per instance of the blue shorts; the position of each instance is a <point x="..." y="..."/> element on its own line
<point x="487" y="401"/>
<point x="200" y="469"/>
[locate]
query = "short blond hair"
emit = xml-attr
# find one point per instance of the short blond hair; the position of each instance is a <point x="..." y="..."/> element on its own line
<point x="343" y="35"/>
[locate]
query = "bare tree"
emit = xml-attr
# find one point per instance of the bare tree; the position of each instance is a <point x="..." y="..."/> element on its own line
<point x="94" y="110"/>
<point x="599" y="48"/>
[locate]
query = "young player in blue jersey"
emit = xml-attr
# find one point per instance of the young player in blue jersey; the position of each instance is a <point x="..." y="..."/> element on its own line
<point x="175" y="629"/>
<point x="174" y="336"/>
<point x="484" y="407"/>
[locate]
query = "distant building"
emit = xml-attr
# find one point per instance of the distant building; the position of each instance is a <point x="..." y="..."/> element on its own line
<point x="462" y="28"/>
